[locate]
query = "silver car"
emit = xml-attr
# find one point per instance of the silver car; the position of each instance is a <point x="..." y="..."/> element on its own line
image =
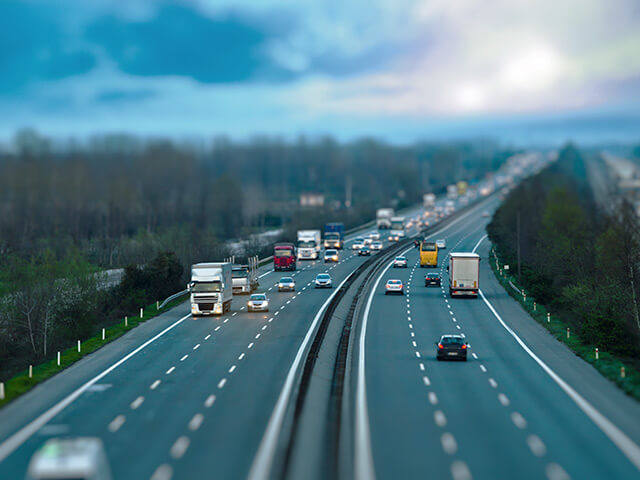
<point x="258" y="302"/>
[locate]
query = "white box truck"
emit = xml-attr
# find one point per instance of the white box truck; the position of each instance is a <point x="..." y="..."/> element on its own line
<point x="309" y="244"/>
<point x="452" y="192"/>
<point x="429" y="201"/>
<point x="464" y="274"/>
<point x="383" y="218"/>
<point x="398" y="225"/>
<point x="211" y="288"/>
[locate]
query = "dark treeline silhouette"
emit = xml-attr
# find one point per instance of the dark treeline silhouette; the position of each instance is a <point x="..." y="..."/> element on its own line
<point x="580" y="261"/>
<point x="111" y="196"/>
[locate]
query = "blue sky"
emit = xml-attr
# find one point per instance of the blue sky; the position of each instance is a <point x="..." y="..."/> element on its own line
<point x="402" y="70"/>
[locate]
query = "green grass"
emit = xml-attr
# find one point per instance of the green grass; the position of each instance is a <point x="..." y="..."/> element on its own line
<point x="21" y="383"/>
<point x="607" y="364"/>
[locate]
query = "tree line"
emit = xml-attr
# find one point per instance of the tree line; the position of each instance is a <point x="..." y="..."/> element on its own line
<point x="575" y="258"/>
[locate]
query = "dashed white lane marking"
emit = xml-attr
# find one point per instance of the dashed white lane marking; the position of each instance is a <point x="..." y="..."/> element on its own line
<point x="493" y="383"/>
<point x="288" y="302"/>
<point x="413" y="334"/>
<point x="415" y="345"/>
<point x="518" y="420"/>
<point x="458" y="327"/>
<point x="209" y="401"/>
<point x="233" y="367"/>
<point x="233" y="314"/>
<point x="460" y="471"/>
<point x="241" y="356"/>
<point x="196" y="346"/>
<point x="483" y="368"/>
<point x="195" y="422"/>
<point x="454" y="319"/>
<point x="282" y="307"/>
<point x="450" y="312"/>
<point x="217" y="328"/>
<point x="422" y="366"/>
<point x="426" y="380"/>
<point x="503" y="400"/>
<point x="474" y="356"/>
<point x="137" y="402"/>
<point x="226" y="320"/>
<point x="170" y="370"/>
<point x="257" y="336"/>
<point x="270" y="320"/>
<point x="433" y="398"/>
<point x="184" y="357"/>
<point x="179" y="448"/>
<point x="449" y="444"/>
<point x="418" y="354"/>
<point x="410" y="326"/>
<point x="207" y="337"/>
<point x="222" y="382"/>
<point x="556" y="472"/>
<point x="116" y="423"/>
<point x="439" y="418"/>
<point x="276" y="313"/>
<point x="154" y="385"/>
<point x="163" y="472"/>
<point x="264" y="327"/>
<point x="537" y="447"/>
<point x="250" y="345"/>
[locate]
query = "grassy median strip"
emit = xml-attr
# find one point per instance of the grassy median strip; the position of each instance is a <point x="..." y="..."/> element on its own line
<point x="22" y="383"/>
<point x="610" y="366"/>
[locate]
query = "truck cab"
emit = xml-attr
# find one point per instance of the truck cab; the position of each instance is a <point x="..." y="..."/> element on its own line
<point x="284" y="256"/>
<point x="244" y="278"/>
<point x="334" y="235"/>
<point x="210" y="288"/>
<point x="309" y="244"/>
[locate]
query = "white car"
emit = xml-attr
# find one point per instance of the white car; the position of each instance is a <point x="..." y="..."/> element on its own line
<point x="400" y="262"/>
<point x="393" y="238"/>
<point x="358" y="243"/>
<point x="323" y="280"/>
<point x="62" y="458"/>
<point x="441" y="243"/>
<point x="258" y="302"/>
<point x="374" y="235"/>
<point x="367" y="241"/>
<point x="377" y="245"/>
<point x="330" y="255"/>
<point x="287" y="283"/>
<point x="394" y="286"/>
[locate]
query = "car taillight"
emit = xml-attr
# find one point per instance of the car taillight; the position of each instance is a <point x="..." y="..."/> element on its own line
<point x="464" y="347"/>
<point x="440" y="345"/>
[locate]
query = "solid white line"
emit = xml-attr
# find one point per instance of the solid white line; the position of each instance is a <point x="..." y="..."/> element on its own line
<point x="617" y="436"/>
<point x="261" y="467"/>
<point x="478" y="244"/>
<point x="265" y="274"/>
<point x="27" y="431"/>
<point x="116" y="423"/>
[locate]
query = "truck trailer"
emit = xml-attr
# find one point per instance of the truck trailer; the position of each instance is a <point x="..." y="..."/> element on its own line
<point x="211" y="288"/>
<point x="464" y="274"/>
<point x="383" y="218"/>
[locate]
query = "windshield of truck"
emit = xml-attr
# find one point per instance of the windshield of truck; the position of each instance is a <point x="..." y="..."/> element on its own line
<point x="283" y="253"/>
<point x="306" y="244"/>
<point x="240" y="273"/>
<point x="331" y="236"/>
<point x="397" y="225"/>
<point x="206" y="287"/>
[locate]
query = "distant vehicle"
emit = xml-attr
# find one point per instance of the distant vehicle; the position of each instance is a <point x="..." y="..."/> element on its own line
<point x="393" y="237"/>
<point x="377" y="245"/>
<point x="374" y="235"/>
<point x="330" y="255"/>
<point x="323" y="280"/>
<point x="81" y="458"/>
<point x="211" y="288"/>
<point x="258" y="302"/>
<point x="400" y="262"/>
<point x="486" y="214"/>
<point x="462" y="188"/>
<point x="397" y="227"/>
<point x="334" y="235"/>
<point x="244" y="278"/>
<point x="428" y="200"/>
<point x="449" y="207"/>
<point x="452" y="192"/>
<point x="394" y="286"/>
<point x="364" y="251"/>
<point x="358" y="243"/>
<point x="286" y="284"/>
<point x="367" y="241"/>
<point x="432" y="279"/>
<point x="383" y="218"/>
<point x="428" y="254"/>
<point x="309" y="244"/>
<point x="464" y="274"/>
<point x="441" y="243"/>
<point x="452" y="347"/>
<point x="284" y="256"/>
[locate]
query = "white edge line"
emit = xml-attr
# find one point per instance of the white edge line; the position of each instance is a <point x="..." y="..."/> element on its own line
<point x="22" y="435"/>
<point x="478" y="244"/>
<point x="617" y="436"/>
<point x="261" y="466"/>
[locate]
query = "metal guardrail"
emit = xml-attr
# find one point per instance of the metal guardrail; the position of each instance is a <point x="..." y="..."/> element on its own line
<point x="173" y="297"/>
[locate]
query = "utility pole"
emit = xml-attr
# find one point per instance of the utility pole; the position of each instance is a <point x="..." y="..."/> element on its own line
<point x="518" y="233"/>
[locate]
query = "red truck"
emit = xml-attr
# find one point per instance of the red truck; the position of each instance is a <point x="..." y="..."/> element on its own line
<point x="284" y="256"/>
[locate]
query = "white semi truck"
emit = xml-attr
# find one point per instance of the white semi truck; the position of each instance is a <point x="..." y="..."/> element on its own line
<point x="464" y="274"/>
<point x="211" y="288"/>
<point x="429" y="201"/>
<point x="244" y="278"/>
<point x="309" y="244"/>
<point x="383" y="218"/>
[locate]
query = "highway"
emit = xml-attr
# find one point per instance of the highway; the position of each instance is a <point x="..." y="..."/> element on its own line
<point x="184" y="398"/>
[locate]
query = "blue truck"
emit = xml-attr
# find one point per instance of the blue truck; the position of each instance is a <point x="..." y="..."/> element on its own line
<point x="334" y="235"/>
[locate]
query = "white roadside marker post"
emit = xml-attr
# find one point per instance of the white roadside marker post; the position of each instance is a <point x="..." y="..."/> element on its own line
<point x="622" y="372"/>
<point x="126" y="321"/>
<point x="58" y="358"/>
<point x="548" y="317"/>
<point x="1" y="390"/>
<point x="597" y="354"/>
<point x="568" y="332"/>
<point x="534" y="306"/>
<point x="30" y="371"/>
<point x="141" y="312"/>
<point x="78" y="346"/>
<point x="103" y="334"/>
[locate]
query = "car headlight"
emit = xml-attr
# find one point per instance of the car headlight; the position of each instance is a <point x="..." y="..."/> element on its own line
<point x="250" y="303"/>
<point x="265" y="303"/>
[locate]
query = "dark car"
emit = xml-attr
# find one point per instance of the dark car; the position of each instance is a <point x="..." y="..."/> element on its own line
<point x="432" y="279"/>
<point x="452" y="347"/>
<point x="364" y="251"/>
